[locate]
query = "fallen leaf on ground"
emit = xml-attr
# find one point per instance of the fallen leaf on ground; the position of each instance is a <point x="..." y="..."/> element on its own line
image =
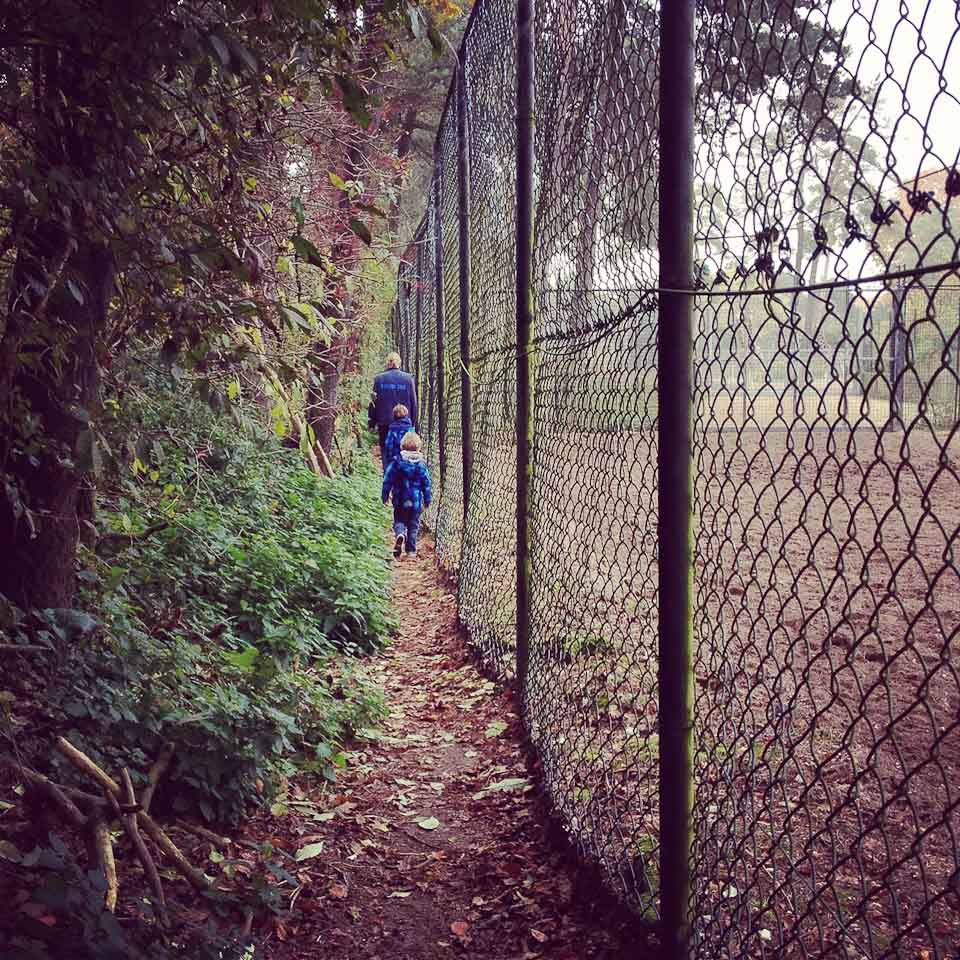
<point x="39" y="912"/>
<point x="428" y="823"/>
<point x="459" y="928"/>
<point x="10" y="852"/>
<point x="512" y="783"/>
<point x="401" y="893"/>
<point x="338" y="891"/>
<point x="539" y="936"/>
<point x="495" y="729"/>
<point x="310" y="850"/>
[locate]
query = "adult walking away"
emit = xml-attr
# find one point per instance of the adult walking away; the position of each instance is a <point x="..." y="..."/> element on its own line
<point x="391" y="387"/>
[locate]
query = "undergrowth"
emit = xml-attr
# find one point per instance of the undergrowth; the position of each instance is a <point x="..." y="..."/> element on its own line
<point x="225" y="604"/>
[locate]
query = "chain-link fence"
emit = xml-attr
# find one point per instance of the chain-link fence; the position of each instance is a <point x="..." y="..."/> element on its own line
<point x="825" y="511"/>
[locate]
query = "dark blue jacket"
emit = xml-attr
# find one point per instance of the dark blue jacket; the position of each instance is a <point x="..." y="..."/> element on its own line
<point x="390" y="388"/>
<point x="395" y="433"/>
<point x="408" y="479"/>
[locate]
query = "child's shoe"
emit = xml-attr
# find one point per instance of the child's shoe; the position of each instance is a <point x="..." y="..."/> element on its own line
<point x="398" y="546"/>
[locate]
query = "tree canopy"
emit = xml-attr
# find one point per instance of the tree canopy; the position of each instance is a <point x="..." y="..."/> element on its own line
<point x="194" y="185"/>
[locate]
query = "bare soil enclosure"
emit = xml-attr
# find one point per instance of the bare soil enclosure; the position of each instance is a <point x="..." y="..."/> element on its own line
<point x="827" y="698"/>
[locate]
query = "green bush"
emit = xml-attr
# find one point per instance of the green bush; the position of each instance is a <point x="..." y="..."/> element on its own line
<point x="231" y="592"/>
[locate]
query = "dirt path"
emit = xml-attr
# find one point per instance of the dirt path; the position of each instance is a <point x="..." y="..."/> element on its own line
<point x="436" y="847"/>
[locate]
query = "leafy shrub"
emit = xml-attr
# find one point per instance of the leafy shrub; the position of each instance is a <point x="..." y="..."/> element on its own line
<point x="230" y="592"/>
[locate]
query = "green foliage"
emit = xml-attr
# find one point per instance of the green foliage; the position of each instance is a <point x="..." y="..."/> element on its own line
<point x="232" y="590"/>
<point x="265" y="551"/>
<point x="585" y="645"/>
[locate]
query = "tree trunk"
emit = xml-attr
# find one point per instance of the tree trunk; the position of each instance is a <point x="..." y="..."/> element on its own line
<point x="323" y="400"/>
<point x="50" y="366"/>
<point x="404" y="143"/>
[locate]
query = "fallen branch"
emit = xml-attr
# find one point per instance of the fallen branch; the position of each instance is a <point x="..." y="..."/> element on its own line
<point x="85" y="801"/>
<point x="82" y="762"/>
<point x="103" y="847"/>
<point x="183" y="865"/>
<point x="24" y="648"/>
<point x="108" y="538"/>
<point x="221" y="843"/>
<point x="325" y="461"/>
<point x="158" y="769"/>
<point x="129" y="821"/>
<point x="37" y="780"/>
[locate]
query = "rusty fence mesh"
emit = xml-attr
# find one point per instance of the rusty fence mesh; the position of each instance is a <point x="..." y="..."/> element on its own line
<point x="826" y="453"/>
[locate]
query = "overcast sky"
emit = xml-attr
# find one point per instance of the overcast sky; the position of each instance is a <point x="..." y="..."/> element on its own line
<point x="917" y="58"/>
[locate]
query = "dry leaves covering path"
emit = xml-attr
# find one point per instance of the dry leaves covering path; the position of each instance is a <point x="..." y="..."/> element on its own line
<point x="434" y="844"/>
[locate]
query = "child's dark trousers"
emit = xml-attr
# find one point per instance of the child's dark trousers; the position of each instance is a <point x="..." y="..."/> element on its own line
<point x="406" y="524"/>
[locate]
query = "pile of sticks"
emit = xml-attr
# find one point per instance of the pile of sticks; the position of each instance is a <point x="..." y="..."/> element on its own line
<point x="91" y="815"/>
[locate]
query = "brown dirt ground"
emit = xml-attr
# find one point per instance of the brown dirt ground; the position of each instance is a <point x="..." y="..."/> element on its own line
<point x="486" y="881"/>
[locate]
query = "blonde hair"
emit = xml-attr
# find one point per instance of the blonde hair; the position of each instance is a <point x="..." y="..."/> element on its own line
<point x="393" y="360"/>
<point x="400" y="411"/>
<point x="410" y="441"/>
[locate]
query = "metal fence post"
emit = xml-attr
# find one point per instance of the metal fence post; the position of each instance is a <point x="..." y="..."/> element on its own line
<point x="898" y="343"/>
<point x="524" y="253"/>
<point x="419" y="334"/>
<point x="956" y="371"/>
<point x="674" y="346"/>
<point x="441" y="399"/>
<point x="431" y="393"/>
<point x="404" y="346"/>
<point x="463" y="210"/>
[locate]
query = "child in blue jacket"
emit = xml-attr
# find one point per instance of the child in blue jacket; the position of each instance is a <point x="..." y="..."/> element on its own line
<point x="400" y="426"/>
<point x="407" y="479"/>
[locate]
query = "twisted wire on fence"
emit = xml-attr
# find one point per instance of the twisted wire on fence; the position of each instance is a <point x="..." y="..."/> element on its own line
<point x="826" y="455"/>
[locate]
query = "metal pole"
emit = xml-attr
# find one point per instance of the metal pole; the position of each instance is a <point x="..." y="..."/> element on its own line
<point x="441" y="358"/>
<point x="956" y="372"/>
<point x="402" y="346"/>
<point x="431" y="392"/>
<point x="898" y="341"/>
<point x="524" y="238"/>
<point x="674" y="347"/>
<point x="463" y="210"/>
<point x="419" y="334"/>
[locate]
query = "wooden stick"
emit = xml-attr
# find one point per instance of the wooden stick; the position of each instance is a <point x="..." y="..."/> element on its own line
<point x="24" y="648"/>
<point x="86" y="801"/>
<point x="66" y="806"/>
<point x="83" y="763"/>
<point x="129" y="821"/>
<point x="187" y="869"/>
<point x="158" y="769"/>
<point x="221" y="843"/>
<point x="108" y="864"/>
<point x="80" y="760"/>
<point x="325" y="461"/>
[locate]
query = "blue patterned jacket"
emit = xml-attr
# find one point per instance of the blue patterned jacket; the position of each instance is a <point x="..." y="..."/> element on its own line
<point x="408" y="480"/>
<point x="395" y="433"/>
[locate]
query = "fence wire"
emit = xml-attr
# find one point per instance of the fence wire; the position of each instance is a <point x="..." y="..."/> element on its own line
<point x="826" y="756"/>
